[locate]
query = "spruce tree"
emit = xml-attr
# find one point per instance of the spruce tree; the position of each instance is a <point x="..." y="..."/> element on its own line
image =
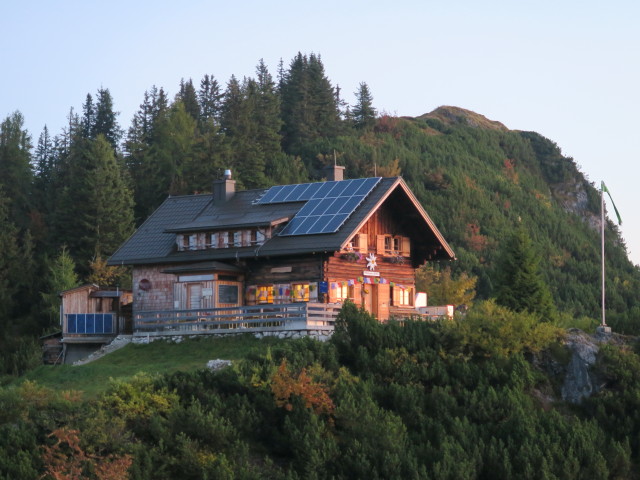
<point x="15" y="165"/>
<point x="9" y="263"/>
<point x="309" y="105"/>
<point x="61" y="275"/>
<point x="146" y="130"/>
<point x="106" y="119"/>
<point x="241" y="125"/>
<point x="95" y="211"/>
<point x="88" y="121"/>
<point x="210" y="100"/>
<point x="363" y="113"/>
<point x="519" y="283"/>
<point x="187" y="95"/>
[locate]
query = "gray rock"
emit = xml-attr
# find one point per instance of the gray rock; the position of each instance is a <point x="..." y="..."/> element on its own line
<point x="217" y="364"/>
<point x="578" y="383"/>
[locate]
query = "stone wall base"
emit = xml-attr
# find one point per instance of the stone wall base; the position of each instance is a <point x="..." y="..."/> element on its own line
<point x="320" y="335"/>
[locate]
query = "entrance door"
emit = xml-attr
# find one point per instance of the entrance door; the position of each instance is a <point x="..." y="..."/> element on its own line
<point x="370" y="299"/>
<point x="194" y="296"/>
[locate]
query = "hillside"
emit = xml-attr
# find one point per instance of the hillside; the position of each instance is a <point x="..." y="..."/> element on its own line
<point x="479" y="398"/>
<point x="480" y="181"/>
<point x="68" y="201"/>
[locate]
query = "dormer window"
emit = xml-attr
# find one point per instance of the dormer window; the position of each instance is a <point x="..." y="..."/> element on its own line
<point x="257" y="237"/>
<point x="213" y="240"/>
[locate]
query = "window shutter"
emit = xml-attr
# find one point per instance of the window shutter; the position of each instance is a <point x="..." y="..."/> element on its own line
<point x="363" y="243"/>
<point x="380" y="244"/>
<point x="405" y="247"/>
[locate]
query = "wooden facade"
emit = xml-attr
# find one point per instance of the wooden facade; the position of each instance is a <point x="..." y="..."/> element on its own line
<point x="232" y="251"/>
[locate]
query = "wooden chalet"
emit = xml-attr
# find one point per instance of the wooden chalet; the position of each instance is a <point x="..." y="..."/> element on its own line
<point x="285" y="257"/>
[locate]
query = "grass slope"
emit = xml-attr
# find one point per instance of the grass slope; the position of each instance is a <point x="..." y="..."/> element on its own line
<point x="157" y="357"/>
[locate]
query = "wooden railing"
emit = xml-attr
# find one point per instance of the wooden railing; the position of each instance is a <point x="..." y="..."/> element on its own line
<point x="256" y="318"/>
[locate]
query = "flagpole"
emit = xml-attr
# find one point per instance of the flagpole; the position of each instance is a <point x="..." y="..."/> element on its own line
<point x="604" y="323"/>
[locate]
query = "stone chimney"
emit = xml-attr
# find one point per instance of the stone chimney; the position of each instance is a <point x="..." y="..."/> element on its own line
<point x="334" y="172"/>
<point x="224" y="189"/>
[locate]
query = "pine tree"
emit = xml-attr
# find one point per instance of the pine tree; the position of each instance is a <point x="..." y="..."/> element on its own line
<point x="61" y="275"/>
<point x="309" y="108"/>
<point x="95" y="211"/>
<point x="9" y="262"/>
<point x="267" y="113"/>
<point x="210" y="100"/>
<point x="519" y="283"/>
<point x="106" y="119"/>
<point x="88" y="122"/>
<point x="363" y="113"/>
<point x="146" y="129"/>
<point x="45" y="171"/>
<point x="187" y="95"/>
<point x="15" y="165"/>
<point x="240" y="122"/>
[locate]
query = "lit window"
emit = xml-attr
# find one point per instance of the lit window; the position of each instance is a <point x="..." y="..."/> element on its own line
<point x="402" y="297"/>
<point x="344" y="292"/>
<point x="264" y="294"/>
<point x="300" y="292"/>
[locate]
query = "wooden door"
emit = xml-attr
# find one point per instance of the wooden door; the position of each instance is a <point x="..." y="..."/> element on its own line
<point x="370" y="299"/>
<point x="194" y="296"/>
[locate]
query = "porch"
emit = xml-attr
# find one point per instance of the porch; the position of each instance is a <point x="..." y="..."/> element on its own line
<point x="272" y="318"/>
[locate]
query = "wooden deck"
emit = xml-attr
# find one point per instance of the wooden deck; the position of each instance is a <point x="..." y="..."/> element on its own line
<point x="251" y="319"/>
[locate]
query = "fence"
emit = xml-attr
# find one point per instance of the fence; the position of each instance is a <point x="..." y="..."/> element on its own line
<point x="258" y="318"/>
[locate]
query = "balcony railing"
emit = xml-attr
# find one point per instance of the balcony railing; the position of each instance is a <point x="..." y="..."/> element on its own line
<point x="255" y="318"/>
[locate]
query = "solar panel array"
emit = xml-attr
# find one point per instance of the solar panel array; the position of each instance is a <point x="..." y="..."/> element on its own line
<point x="327" y="207"/>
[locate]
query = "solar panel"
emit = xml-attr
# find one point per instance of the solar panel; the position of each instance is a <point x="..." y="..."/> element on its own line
<point x="328" y="206"/>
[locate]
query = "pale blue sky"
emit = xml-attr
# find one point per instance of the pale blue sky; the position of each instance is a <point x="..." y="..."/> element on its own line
<point x="569" y="70"/>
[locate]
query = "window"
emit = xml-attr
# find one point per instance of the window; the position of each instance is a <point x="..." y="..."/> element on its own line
<point x="402" y="297"/>
<point x="344" y="292"/>
<point x="264" y="294"/>
<point x="257" y="237"/>
<point x="300" y="292"/>
<point x="236" y="238"/>
<point x="391" y="245"/>
<point x="224" y="240"/>
<point x="193" y="242"/>
<point x="213" y="240"/>
<point x="228" y="294"/>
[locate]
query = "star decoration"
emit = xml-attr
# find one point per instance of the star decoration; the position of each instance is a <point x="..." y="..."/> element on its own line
<point x="371" y="261"/>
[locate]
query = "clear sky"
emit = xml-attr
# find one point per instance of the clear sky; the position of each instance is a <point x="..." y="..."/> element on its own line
<point x="567" y="69"/>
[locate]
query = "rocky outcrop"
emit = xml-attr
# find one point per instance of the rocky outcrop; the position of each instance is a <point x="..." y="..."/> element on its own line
<point x="579" y="381"/>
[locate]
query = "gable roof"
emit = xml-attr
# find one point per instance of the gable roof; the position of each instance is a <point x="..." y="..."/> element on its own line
<point x="154" y="241"/>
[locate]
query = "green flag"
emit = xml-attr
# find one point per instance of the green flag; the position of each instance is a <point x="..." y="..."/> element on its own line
<point x="605" y="189"/>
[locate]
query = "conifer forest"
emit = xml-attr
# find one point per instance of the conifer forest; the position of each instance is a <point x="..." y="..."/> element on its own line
<point x="478" y="397"/>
